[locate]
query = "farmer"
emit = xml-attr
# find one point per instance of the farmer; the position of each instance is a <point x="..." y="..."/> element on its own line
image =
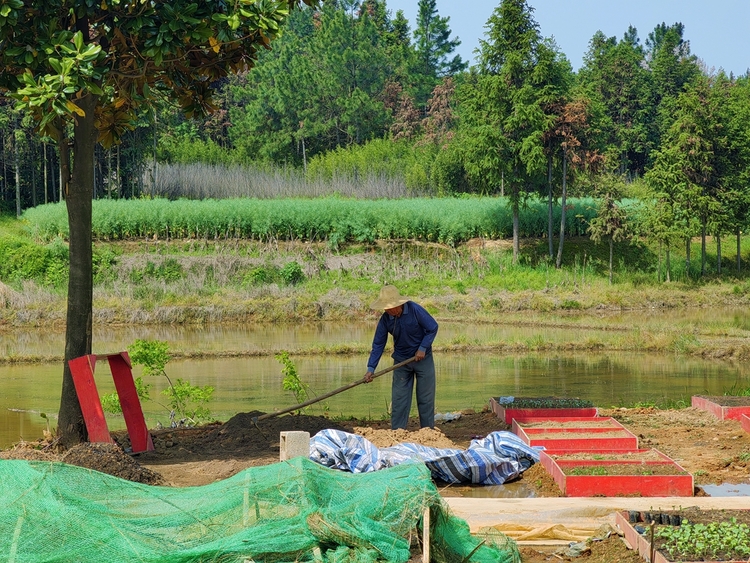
<point x="413" y="330"/>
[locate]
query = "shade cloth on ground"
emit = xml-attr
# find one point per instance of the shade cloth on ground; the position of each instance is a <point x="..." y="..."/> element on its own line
<point x="496" y="459"/>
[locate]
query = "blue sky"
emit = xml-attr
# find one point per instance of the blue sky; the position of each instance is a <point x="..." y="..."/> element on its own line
<point x="718" y="30"/>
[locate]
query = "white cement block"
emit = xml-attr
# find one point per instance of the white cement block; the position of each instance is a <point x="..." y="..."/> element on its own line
<point x="294" y="444"/>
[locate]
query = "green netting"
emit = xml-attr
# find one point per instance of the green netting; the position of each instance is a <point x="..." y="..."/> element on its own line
<point x="290" y="511"/>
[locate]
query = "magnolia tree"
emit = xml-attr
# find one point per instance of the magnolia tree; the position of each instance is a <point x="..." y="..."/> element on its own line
<point x="83" y="67"/>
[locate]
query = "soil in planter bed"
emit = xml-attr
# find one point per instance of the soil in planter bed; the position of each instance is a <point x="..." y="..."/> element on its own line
<point x="649" y="455"/>
<point x="624" y="469"/>
<point x="569" y="424"/>
<point x="614" y="433"/>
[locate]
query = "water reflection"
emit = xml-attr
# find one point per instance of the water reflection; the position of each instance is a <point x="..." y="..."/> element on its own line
<point x="727" y="490"/>
<point x="465" y="380"/>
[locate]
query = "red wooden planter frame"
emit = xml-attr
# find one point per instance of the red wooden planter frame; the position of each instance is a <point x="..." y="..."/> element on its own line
<point x="623" y="440"/>
<point x="745" y="421"/>
<point x="509" y="414"/>
<point x="82" y="370"/>
<point x="679" y="484"/>
<point x="719" y="411"/>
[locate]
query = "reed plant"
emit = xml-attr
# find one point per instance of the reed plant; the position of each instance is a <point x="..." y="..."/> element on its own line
<point x="336" y="220"/>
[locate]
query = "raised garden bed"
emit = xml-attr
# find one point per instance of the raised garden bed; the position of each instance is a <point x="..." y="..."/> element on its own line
<point x="510" y="408"/>
<point x="723" y="407"/>
<point x="646" y="473"/>
<point x="575" y="433"/>
<point x="688" y="535"/>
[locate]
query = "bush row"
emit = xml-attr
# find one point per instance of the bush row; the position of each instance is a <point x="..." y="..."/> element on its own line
<point x="332" y="219"/>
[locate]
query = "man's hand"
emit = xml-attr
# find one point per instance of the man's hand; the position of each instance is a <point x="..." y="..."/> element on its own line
<point x="368" y="377"/>
<point x="419" y="355"/>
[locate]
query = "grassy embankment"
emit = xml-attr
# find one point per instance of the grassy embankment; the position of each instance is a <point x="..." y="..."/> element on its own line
<point x="220" y="279"/>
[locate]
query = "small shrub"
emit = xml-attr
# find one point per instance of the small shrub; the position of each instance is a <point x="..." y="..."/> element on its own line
<point x="292" y="273"/>
<point x="258" y="276"/>
<point x="291" y="381"/>
<point x="184" y="399"/>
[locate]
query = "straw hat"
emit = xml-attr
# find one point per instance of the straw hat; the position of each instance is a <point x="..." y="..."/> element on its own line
<point x="389" y="298"/>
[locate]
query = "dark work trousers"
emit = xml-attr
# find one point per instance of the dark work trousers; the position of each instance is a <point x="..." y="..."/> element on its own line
<point x="401" y="390"/>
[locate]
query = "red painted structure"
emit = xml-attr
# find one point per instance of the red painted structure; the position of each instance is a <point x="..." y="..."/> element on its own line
<point x="579" y="434"/>
<point x="509" y="414"/>
<point x="719" y="411"/>
<point x="82" y="370"/>
<point x="678" y="483"/>
<point x="745" y="421"/>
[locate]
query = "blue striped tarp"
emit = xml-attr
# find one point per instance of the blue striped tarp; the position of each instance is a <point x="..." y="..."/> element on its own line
<point x="496" y="459"/>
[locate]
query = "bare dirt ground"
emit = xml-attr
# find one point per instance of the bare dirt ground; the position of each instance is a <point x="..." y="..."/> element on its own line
<point x="713" y="451"/>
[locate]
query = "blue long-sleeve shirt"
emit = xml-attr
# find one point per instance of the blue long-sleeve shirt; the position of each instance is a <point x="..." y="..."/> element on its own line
<point x="414" y="330"/>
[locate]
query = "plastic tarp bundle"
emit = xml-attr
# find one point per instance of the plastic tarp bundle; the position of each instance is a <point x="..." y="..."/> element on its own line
<point x="493" y="460"/>
<point x="291" y="511"/>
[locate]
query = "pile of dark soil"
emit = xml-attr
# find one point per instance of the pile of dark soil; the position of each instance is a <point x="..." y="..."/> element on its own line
<point x="110" y="459"/>
<point x="243" y="433"/>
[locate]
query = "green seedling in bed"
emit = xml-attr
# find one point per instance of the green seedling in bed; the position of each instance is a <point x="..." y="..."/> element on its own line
<point x="713" y="541"/>
<point x="547" y="403"/>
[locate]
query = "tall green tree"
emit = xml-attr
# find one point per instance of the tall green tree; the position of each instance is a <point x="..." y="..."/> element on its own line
<point x="434" y="46"/>
<point x="672" y="68"/>
<point x="502" y="112"/>
<point x="82" y="67"/>
<point x="611" y="221"/>
<point x="615" y="78"/>
<point x="322" y="87"/>
<point x="692" y="162"/>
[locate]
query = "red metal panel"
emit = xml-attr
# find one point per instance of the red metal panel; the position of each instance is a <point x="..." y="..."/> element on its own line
<point x="140" y="438"/>
<point x="82" y="370"/>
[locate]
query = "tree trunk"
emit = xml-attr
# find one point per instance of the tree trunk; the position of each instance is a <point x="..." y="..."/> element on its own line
<point x="718" y="254"/>
<point x="550" y="228"/>
<point x="17" y="166"/>
<point x="563" y="203"/>
<point x="703" y="248"/>
<point x="739" y="253"/>
<point x="669" y="264"/>
<point x="46" y="181"/>
<point x="516" y="241"/>
<point x="658" y="262"/>
<point x="78" y="200"/>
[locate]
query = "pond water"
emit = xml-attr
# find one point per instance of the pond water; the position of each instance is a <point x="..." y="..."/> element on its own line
<point x="465" y="380"/>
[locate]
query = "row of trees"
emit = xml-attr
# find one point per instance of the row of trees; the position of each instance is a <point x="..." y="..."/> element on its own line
<point x="520" y="122"/>
<point x="350" y="74"/>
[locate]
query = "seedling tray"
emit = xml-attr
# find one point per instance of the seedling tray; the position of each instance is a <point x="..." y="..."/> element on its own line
<point x="653" y="475"/>
<point x="642" y="545"/>
<point x="722" y="412"/>
<point x="508" y="413"/>
<point x="575" y="433"/>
